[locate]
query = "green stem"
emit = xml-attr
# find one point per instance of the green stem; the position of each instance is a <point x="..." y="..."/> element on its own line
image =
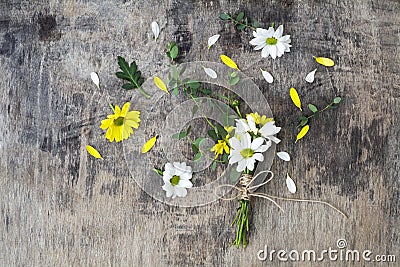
<point x="237" y="22"/>
<point x="143" y="92"/>
<point x="202" y="113"/>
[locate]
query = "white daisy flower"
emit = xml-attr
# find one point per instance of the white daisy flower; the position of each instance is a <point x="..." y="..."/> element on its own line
<point x="176" y="179"/>
<point x="245" y="152"/>
<point x="271" y="42"/>
<point x="268" y="131"/>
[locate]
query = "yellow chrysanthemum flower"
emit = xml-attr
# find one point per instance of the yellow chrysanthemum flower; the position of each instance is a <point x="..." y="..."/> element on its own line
<point x="220" y="147"/>
<point x="260" y="119"/>
<point x="120" y="123"/>
<point x="228" y="129"/>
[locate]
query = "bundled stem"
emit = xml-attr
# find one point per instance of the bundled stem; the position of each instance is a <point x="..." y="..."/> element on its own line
<point x="242" y="221"/>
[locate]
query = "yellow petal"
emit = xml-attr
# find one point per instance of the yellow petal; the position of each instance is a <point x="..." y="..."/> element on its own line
<point x="149" y="144"/>
<point x="229" y="62"/>
<point x="295" y="97"/>
<point x="160" y="84"/>
<point x="92" y="151"/>
<point x="303" y="132"/>
<point x="324" y="61"/>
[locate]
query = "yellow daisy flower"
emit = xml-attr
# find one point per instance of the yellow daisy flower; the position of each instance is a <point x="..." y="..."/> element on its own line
<point x="220" y="148"/>
<point x="120" y="123"/>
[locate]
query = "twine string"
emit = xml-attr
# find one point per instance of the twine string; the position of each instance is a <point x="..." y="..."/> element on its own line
<point x="244" y="192"/>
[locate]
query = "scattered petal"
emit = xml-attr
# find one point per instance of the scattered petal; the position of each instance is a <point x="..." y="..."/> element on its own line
<point x="92" y="151"/>
<point x="324" y="61"/>
<point x="156" y="30"/>
<point x="303" y="132"/>
<point x="267" y="76"/>
<point x="310" y="76"/>
<point x="149" y="144"/>
<point x="95" y="79"/>
<point x="210" y="72"/>
<point x="290" y="184"/>
<point x="212" y="40"/>
<point x="160" y="84"/>
<point x="229" y="62"/>
<point x="283" y="156"/>
<point x="295" y="97"/>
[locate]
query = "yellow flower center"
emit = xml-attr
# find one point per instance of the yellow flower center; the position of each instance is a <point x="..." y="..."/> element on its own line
<point x="247" y="153"/>
<point x="175" y="180"/>
<point x="271" y="41"/>
<point x="119" y="121"/>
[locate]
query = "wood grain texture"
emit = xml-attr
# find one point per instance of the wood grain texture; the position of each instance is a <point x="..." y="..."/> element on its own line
<point x="60" y="207"/>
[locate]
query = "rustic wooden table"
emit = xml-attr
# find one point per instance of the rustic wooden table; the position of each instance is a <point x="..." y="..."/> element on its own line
<point x="60" y="207"/>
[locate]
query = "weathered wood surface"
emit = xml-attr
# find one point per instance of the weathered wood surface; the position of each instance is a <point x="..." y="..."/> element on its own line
<point x="61" y="207"/>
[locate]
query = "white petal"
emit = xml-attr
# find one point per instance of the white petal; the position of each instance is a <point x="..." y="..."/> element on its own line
<point x="280" y="47"/>
<point x="156" y="29"/>
<point x="250" y="163"/>
<point x="184" y="183"/>
<point x="212" y="40"/>
<point x="264" y="148"/>
<point x="95" y="79"/>
<point x="260" y="46"/>
<point x="267" y="76"/>
<point x="285" y="39"/>
<point x="283" y="156"/>
<point x="258" y="156"/>
<point x="310" y="76"/>
<point x="169" y="189"/>
<point x="180" y="191"/>
<point x="274" y="139"/>
<point x="241" y="165"/>
<point x="290" y="184"/>
<point x="210" y="72"/>
<point x="257" y="143"/>
<point x="272" y="50"/>
<point x="265" y="51"/>
<point x="245" y="140"/>
<point x="235" y="143"/>
<point x="278" y="33"/>
<point x="234" y="158"/>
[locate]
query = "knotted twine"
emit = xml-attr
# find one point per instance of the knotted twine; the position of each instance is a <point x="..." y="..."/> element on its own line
<point x="244" y="189"/>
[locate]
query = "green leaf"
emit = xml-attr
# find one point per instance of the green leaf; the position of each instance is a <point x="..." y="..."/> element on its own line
<point x="224" y="16"/>
<point x="197" y="156"/>
<point x="304" y="122"/>
<point x="241" y="27"/>
<point x="194" y="110"/>
<point x="195" y="148"/>
<point x="193" y="84"/>
<point x="198" y="141"/>
<point x="213" y="135"/>
<point x="174" y="52"/>
<point x="131" y="74"/>
<point x="225" y="158"/>
<point x="233" y="74"/>
<point x="176" y="90"/>
<point x="337" y="100"/>
<point x="214" y="166"/>
<point x="188" y="129"/>
<point x="234" y="80"/>
<point x="179" y="135"/>
<point x="313" y="108"/>
<point x="240" y="16"/>
<point x="220" y="131"/>
<point x="256" y="24"/>
<point x="205" y="91"/>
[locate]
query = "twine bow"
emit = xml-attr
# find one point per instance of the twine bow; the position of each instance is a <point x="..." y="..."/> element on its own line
<point x="245" y="192"/>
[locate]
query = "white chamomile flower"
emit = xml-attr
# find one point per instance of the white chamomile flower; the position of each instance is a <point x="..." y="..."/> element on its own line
<point x="271" y="42"/>
<point x="269" y="130"/>
<point x="176" y="179"/>
<point x="245" y="152"/>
